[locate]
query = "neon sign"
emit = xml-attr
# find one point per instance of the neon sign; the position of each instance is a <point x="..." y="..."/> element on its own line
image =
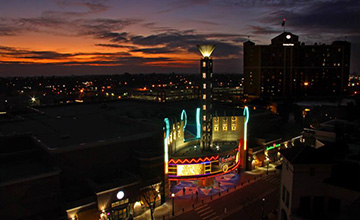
<point x="273" y="146"/>
<point x="198" y="123"/>
<point x="190" y="169"/>
<point x="193" y="160"/>
<point x="246" y="114"/>
<point x="166" y="153"/>
<point x="184" y="118"/>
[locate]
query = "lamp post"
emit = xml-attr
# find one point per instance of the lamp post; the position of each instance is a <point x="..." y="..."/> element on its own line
<point x="173" y="203"/>
<point x="306" y="84"/>
<point x="267" y="166"/>
<point x="262" y="208"/>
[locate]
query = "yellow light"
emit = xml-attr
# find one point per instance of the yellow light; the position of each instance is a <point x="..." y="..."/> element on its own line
<point x="306" y="83"/>
<point x="33" y="99"/>
<point x="307" y="109"/>
<point x="190" y="169"/>
<point x="206" y="50"/>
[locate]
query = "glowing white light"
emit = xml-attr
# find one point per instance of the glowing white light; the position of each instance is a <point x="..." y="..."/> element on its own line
<point x="172" y="194"/>
<point x="288" y="36"/>
<point x="120" y="195"/>
<point x="206" y="50"/>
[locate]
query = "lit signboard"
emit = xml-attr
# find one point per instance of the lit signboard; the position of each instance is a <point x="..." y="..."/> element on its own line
<point x="190" y="169"/>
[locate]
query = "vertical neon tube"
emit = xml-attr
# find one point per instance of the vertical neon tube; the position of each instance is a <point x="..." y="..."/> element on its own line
<point x="184" y="118"/>
<point x="198" y="123"/>
<point x="166" y="147"/>
<point x="246" y="114"/>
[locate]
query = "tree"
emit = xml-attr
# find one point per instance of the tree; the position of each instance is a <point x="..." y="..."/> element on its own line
<point x="150" y="195"/>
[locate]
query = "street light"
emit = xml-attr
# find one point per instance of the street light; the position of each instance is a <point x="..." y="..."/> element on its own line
<point x="262" y="208"/>
<point x="173" y="203"/>
<point x="267" y="167"/>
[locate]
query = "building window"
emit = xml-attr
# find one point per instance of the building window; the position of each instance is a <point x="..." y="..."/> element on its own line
<point x="283" y="193"/>
<point x="312" y="171"/>
<point x="204" y="75"/>
<point x="204" y="85"/>
<point x="204" y="96"/>
<point x="204" y="107"/>
<point x="318" y="205"/>
<point x="204" y="64"/>
<point x="334" y="206"/>
<point x="304" y="206"/>
<point x="287" y="198"/>
<point x="224" y="126"/>
<point x="204" y="117"/>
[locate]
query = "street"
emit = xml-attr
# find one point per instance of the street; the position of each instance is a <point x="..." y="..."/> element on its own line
<point x="245" y="203"/>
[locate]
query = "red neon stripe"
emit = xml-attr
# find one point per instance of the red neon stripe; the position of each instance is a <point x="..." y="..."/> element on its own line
<point x="194" y="160"/>
<point x="204" y="177"/>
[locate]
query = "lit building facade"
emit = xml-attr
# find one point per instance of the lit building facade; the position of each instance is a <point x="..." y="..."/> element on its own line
<point x="287" y="67"/>
<point x="218" y="145"/>
<point x="206" y="69"/>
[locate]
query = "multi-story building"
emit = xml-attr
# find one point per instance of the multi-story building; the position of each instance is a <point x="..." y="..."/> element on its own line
<point x="288" y="67"/>
<point x="316" y="184"/>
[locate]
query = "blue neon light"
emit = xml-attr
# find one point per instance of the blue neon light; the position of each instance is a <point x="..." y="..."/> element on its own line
<point x="198" y="123"/>
<point x="246" y="114"/>
<point x="184" y="118"/>
<point x="167" y="123"/>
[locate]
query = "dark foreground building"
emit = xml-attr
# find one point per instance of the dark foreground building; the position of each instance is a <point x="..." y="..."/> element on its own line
<point x="288" y="67"/>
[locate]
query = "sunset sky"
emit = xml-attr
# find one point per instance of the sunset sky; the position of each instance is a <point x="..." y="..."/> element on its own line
<point x="64" y="37"/>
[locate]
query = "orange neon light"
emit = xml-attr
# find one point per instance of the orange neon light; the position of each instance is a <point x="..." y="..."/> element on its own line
<point x="194" y="160"/>
<point x="208" y="176"/>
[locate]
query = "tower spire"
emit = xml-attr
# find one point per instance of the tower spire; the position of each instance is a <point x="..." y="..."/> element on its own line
<point x="206" y="70"/>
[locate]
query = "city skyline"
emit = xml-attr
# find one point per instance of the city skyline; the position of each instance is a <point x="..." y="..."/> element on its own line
<point x="65" y="37"/>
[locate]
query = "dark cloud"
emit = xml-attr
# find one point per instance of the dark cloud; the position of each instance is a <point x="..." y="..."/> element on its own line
<point x="262" y="3"/>
<point x="93" y="6"/>
<point x="161" y="50"/>
<point x="155" y="28"/>
<point x="115" y="46"/>
<point x="179" y="4"/>
<point x="322" y="16"/>
<point x="16" y="53"/>
<point x="263" y="30"/>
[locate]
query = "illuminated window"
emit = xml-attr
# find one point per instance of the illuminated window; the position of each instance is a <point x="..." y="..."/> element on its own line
<point x="204" y="75"/>
<point x="204" y="117"/>
<point x="204" y="128"/>
<point x="233" y="123"/>
<point x="204" y="96"/>
<point x="204" y="107"/>
<point x="204" y="86"/>
<point x="225" y="126"/>
<point x="204" y="64"/>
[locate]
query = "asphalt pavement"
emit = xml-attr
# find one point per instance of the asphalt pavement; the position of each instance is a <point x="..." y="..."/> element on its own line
<point x="244" y="201"/>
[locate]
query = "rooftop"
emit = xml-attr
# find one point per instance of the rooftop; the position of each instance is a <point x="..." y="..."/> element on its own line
<point x="302" y="154"/>
<point x="79" y="124"/>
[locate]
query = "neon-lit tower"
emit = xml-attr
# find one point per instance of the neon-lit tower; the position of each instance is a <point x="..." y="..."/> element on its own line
<point x="206" y="68"/>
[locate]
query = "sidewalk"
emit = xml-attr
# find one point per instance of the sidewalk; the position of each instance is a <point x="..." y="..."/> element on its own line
<point x="188" y="201"/>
